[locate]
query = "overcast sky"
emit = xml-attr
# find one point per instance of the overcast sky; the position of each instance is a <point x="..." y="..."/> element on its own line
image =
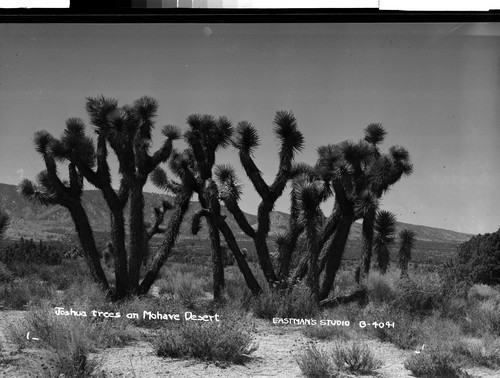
<point x="434" y="87"/>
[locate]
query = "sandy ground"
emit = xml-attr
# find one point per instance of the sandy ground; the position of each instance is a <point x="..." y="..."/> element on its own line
<point x="275" y="357"/>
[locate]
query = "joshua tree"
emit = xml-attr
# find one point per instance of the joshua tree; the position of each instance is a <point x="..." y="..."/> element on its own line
<point x="246" y="141"/>
<point x="358" y="174"/>
<point x="51" y="190"/>
<point x="385" y="226"/>
<point x="205" y="136"/>
<point x="309" y="197"/>
<point x="407" y="241"/>
<point x="127" y="130"/>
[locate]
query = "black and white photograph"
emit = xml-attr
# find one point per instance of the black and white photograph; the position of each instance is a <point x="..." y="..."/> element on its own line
<point x="228" y="199"/>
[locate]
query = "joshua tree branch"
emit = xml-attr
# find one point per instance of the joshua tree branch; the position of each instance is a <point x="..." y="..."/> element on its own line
<point x="254" y="175"/>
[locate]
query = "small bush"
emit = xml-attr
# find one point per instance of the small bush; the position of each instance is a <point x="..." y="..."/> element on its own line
<point x="435" y="363"/>
<point x="185" y="287"/>
<point x="483" y="318"/>
<point x="356" y="358"/>
<point x="296" y="303"/>
<point x="316" y="363"/>
<point x="18" y="295"/>
<point x="419" y="295"/>
<point x="224" y="341"/>
<point x="482" y="352"/>
<point x="406" y="332"/>
<point x="381" y="288"/>
<point x="480" y="293"/>
<point x="73" y="363"/>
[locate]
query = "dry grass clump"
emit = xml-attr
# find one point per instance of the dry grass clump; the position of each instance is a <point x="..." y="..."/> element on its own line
<point x="382" y="288"/>
<point x="316" y="363"/>
<point x="184" y="287"/>
<point x="481" y="293"/>
<point x="225" y="341"/>
<point x="19" y="294"/>
<point x="352" y="359"/>
<point x="479" y="352"/>
<point x="294" y="303"/>
<point x="483" y="318"/>
<point x="434" y="363"/>
<point x="355" y="359"/>
<point x="406" y="333"/>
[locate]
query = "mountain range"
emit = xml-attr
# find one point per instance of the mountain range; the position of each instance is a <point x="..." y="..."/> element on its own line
<point x="39" y="222"/>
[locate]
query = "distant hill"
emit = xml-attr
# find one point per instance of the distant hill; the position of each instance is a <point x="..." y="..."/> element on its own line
<point x="54" y="223"/>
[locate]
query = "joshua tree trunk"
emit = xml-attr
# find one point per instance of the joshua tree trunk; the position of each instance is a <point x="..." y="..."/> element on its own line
<point x="313" y="272"/>
<point x="367" y="246"/>
<point x="335" y="251"/>
<point x="87" y="241"/>
<point x="250" y="279"/>
<point x="165" y="249"/>
<point x="136" y="236"/>
<point x="217" y="262"/>
<point x="120" y="254"/>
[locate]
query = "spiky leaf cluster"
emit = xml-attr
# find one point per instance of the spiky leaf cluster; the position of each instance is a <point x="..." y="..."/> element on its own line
<point x="385" y="226"/>
<point x="247" y="138"/>
<point x="288" y="133"/>
<point x="230" y="189"/>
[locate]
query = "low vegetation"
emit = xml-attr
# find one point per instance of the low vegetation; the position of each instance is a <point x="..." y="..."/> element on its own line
<point x="341" y="358"/>
<point x="226" y="341"/>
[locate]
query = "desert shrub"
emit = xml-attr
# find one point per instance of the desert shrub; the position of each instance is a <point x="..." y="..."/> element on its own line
<point x="31" y="252"/>
<point x="185" y="287"/>
<point x="237" y="293"/>
<point x="225" y="341"/>
<point x="294" y="303"/>
<point x="477" y="260"/>
<point x="440" y="335"/>
<point x="84" y="294"/>
<point x="381" y="288"/>
<point x="6" y="275"/>
<point x="326" y="332"/>
<point x="419" y="295"/>
<point x="356" y="358"/>
<point x="482" y="293"/>
<point x="482" y="352"/>
<point x="73" y="363"/>
<point x="17" y="295"/>
<point x="434" y="363"/>
<point x="66" y="333"/>
<point x="405" y="334"/>
<point x="67" y="340"/>
<point x="344" y="282"/>
<point x="483" y="318"/>
<point x="316" y="363"/>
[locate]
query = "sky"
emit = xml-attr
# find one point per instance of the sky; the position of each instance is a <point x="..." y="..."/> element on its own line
<point x="434" y="87"/>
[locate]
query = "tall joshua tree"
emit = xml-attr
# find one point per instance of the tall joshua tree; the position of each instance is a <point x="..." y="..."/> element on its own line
<point x="407" y="241"/>
<point x="246" y="141"/>
<point x="127" y="131"/>
<point x="358" y="175"/>
<point x="309" y="198"/>
<point x="385" y="226"/>
<point x="205" y="136"/>
<point x="50" y="189"/>
<point x="181" y="166"/>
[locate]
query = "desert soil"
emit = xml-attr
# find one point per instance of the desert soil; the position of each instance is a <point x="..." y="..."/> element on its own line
<point x="275" y="357"/>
